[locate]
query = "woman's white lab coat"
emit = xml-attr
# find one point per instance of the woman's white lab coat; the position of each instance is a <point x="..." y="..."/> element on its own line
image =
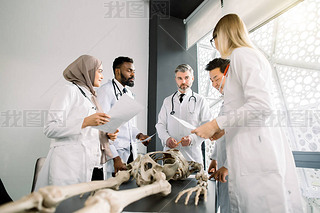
<point x="74" y="151"/>
<point x="219" y="154"/>
<point x="262" y="176"/>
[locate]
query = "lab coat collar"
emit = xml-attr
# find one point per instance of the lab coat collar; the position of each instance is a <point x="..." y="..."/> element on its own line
<point x="86" y="91"/>
<point x="121" y="87"/>
<point x="188" y="92"/>
<point x="119" y="84"/>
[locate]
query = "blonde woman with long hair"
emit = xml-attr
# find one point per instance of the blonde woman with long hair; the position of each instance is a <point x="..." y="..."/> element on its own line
<point x="262" y="175"/>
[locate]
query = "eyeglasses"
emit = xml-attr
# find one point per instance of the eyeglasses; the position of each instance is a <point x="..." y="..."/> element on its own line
<point x="212" y="41"/>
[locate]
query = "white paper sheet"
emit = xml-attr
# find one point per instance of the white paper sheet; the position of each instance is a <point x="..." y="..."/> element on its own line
<point x="184" y="123"/>
<point x="122" y="111"/>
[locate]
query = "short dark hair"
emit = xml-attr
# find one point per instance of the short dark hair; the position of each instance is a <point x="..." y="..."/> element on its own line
<point x="119" y="61"/>
<point x="218" y="63"/>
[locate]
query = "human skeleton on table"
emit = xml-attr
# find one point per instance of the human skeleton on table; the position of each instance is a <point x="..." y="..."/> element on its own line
<point x="146" y="170"/>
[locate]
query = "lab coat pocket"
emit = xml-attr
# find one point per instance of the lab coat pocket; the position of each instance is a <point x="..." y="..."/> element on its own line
<point x="256" y="153"/>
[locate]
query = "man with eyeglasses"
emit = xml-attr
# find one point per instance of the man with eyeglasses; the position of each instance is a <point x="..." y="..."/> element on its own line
<point x="218" y="168"/>
<point x="108" y="94"/>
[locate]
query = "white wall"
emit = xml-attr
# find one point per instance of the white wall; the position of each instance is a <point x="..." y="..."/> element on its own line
<point x="38" y="40"/>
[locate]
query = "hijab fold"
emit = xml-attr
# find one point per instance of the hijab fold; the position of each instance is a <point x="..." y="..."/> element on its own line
<point x="82" y="72"/>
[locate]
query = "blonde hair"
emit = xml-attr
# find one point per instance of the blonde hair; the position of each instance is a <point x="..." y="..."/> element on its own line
<point x="231" y="33"/>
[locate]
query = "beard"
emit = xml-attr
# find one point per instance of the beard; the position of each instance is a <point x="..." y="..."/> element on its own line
<point x="126" y="81"/>
<point x="184" y="87"/>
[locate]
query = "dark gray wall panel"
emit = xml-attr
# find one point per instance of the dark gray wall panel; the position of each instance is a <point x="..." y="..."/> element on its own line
<point x="167" y="50"/>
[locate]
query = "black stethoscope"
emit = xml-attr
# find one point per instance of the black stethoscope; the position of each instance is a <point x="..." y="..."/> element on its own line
<point x="191" y="97"/>
<point x="84" y="94"/>
<point x="114" y="89"/>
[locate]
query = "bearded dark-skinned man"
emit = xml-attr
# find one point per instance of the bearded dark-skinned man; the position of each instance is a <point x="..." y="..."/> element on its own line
<point x="108" y="94"/>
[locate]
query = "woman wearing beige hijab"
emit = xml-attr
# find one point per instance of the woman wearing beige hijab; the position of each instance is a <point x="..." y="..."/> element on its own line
<point x="75" y="149"/>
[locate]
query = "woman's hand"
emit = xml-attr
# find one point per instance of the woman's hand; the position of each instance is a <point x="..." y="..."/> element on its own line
<point x="207" y="130"/>
<point x="113" y="136"/>
<point x="95" y="119"/>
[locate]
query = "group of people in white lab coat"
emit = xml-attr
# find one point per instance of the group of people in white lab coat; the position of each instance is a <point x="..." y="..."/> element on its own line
<point x="252" y="162"/>
<point x="77" y="151"/>
<point x="261" y="169"/>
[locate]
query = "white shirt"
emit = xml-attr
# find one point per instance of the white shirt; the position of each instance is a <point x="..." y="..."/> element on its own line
<point x="107" y="96"/>
<point x="194" y="110"/>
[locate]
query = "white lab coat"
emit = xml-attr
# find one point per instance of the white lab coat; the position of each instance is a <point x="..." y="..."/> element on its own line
<point x="127" y="132"/>
<point x="74" y="151"/>
<point x="262" y="175"/>
<point x="219" y="154"/>
<point x="195" y="113"/>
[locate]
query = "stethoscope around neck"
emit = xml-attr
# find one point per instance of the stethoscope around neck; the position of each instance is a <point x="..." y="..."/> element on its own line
<point x="191" y="97"/>
<point x="114" y="89"/>
<point x="84" y="94"/>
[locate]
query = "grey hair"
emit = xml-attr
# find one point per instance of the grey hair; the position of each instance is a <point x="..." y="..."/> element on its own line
<point x="184" y="68"/>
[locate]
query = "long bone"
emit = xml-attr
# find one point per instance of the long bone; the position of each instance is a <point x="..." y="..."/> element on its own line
<point x="174" y="167"/>
<point x="107" y="200"/>
<point x="46" y="199"/>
